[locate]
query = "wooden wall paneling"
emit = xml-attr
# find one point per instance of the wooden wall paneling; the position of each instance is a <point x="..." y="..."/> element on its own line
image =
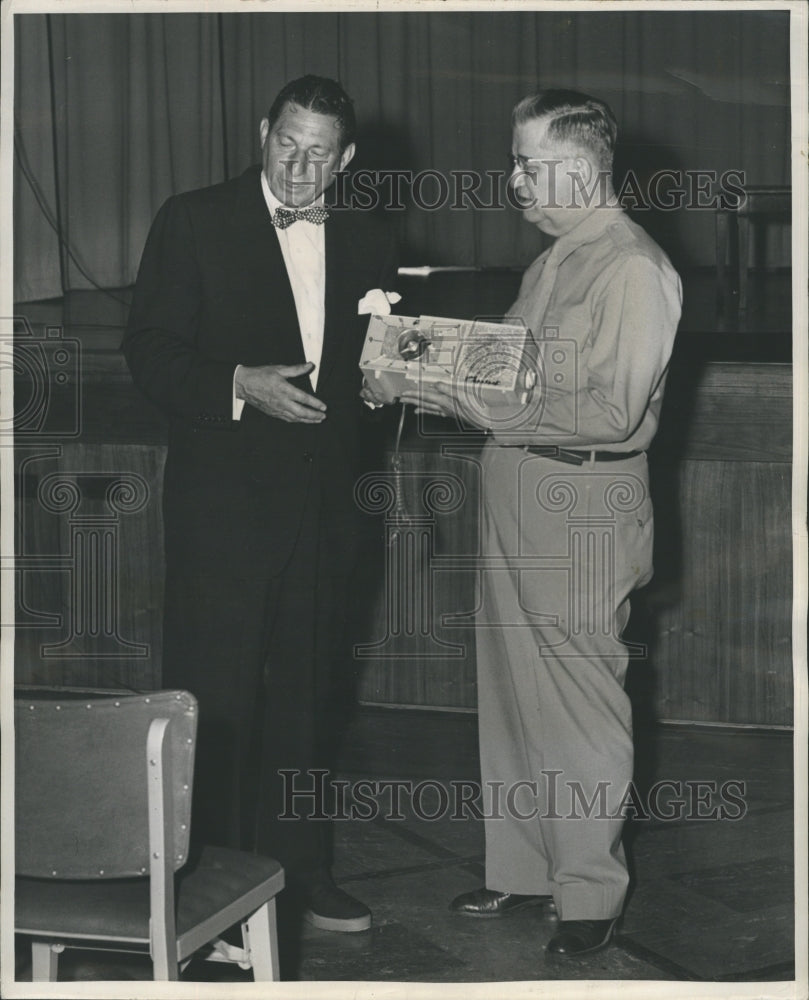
<point x="742" y="412"/>
<point x="40" y="584"/>
<point x="722" y="649"/>
<point x="420" y="659"/>
<point x="93" y="512"/>
<point x="716" y="618"/>
<point x="733" y="411"/>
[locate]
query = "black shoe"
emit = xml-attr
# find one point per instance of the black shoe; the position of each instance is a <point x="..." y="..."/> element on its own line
<point x="329" y="908"/>
<point x="581" y="937"/>
<point x="490" y="903"/>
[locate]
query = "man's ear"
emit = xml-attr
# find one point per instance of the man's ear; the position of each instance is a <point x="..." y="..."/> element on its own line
<point x="583" y="168"/>
<point x="264" y="131"/>
<point x="347" y="155"/>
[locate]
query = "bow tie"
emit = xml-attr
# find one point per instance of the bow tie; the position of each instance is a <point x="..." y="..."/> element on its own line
<point x="282" y="218"/>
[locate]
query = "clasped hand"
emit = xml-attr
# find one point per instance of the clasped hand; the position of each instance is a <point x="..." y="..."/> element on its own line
<point x="441" y="399"/>
<point x="267" y="387"/>
<point x="438" y="399"/>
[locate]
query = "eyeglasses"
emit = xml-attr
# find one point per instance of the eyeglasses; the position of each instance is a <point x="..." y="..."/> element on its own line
<point x="521" y="162"/>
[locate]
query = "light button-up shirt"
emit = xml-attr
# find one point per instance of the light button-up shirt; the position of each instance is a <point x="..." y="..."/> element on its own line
<point x="603" y="303"/>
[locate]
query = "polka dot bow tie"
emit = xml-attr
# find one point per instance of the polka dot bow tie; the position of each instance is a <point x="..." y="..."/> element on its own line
<point x="284" y="217"/>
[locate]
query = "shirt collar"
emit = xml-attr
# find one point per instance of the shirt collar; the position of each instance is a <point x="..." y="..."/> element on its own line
<point x="593" y="225"/>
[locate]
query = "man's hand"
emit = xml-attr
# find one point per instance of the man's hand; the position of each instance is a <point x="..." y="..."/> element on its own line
<point x="266" y="387"/>
<point x="369" y="396"/>
<point x="437" y="399"/>
<point x="445" y="399"/>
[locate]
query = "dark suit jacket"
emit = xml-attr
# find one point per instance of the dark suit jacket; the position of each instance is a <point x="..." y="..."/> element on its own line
<point x="212" y="292"/>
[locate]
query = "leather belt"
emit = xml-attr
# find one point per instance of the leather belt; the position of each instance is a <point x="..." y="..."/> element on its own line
<point x="573" y="457"/>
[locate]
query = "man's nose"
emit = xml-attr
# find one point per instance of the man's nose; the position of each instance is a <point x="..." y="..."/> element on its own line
<point x="296" y="164"/>
<point x="518" y="177"/>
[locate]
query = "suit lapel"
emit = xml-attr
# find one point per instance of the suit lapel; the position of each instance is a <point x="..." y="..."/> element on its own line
<point x="263" y="260"/>
<point x="338" y="289"/>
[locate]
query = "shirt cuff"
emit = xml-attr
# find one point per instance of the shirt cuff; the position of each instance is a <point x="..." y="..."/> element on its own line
<point x="238" y="404"/>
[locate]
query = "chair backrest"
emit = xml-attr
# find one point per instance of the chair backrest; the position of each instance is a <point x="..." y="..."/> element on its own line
<point x="81" y="780"/>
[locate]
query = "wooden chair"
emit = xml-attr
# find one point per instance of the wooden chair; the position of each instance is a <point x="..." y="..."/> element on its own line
<point x="734" y="222"/>
<point x="103" y="816"/>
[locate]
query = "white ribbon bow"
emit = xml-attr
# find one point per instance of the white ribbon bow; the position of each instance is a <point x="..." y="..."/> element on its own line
<point x="377" y="302"/>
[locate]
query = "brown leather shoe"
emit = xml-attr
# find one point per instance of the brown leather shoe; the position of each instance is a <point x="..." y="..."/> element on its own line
<point x="490" y="903"/>
<point x="581" y="937"/>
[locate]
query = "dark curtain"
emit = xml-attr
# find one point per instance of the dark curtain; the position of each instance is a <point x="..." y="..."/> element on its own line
<point x="115" y="112"/>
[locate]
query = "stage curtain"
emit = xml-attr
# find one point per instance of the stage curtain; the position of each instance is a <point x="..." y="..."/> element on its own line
<point x="115" y="112"/>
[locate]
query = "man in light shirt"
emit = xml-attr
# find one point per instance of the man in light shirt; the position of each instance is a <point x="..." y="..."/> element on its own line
<point x="567" y="531"/>
<point x="244" y="329"/>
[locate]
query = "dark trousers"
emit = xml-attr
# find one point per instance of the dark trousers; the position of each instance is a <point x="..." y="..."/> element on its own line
<point x="259" y="656"/>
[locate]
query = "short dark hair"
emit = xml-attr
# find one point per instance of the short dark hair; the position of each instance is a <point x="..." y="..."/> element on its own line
<point x="574" y="118"/>
<point x="321" y="95"/>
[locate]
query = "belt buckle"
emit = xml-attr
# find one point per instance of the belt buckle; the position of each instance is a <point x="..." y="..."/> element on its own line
<point x="570" y="457"/>
<point x="554" y="452"/>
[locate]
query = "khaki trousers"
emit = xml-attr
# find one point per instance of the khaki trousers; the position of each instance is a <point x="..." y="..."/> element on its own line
<point x="563" y="547"/>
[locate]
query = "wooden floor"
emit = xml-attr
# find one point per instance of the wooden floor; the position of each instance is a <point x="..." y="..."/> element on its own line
<point x="711" y="900"/>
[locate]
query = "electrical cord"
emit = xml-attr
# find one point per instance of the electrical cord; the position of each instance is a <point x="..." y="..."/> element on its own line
<point x="50" y="218"/>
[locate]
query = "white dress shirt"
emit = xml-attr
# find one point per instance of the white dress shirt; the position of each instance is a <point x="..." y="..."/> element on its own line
<point x="303" y="245"/>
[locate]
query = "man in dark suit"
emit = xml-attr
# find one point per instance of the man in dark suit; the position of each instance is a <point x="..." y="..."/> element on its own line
<point x="244" y="329"/>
